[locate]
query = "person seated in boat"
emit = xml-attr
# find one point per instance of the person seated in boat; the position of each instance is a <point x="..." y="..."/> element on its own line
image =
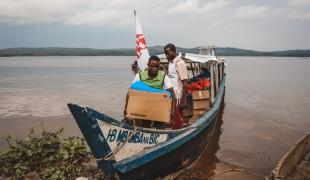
<point x="154" y="78"/>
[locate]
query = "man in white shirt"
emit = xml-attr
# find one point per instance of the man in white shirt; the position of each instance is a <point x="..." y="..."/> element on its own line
<point x="177" y="72"/>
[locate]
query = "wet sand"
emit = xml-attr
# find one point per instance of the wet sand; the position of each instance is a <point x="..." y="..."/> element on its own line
<point x="20" y="126"/>
<point x="220" y="171"/>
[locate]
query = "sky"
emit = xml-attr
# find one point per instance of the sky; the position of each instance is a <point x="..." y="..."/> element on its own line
<point x="264" y="25"/>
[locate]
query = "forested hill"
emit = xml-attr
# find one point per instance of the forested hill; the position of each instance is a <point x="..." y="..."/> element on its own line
<point x="221" y="51"/>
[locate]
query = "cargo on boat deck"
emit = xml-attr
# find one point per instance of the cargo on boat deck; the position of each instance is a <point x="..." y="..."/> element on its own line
<point x="148" y="106"/>
<point x="201" y="102"/>
<point x="199" y="112"/>
<point x="203" y="94"/>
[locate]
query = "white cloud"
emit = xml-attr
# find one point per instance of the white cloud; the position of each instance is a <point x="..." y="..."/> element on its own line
<point x="76" y="12"/>
<point x="110" y="17"/>
<point x="99" y="12"/>
<point x="251" y="12"/>
<point x="187" y="7"/>
<point x="161" y="18"/>
<point x="36" y="11"/>
<point x="216" y="5"/>
<point x="118" y="12"/>
<point x="297" y="15"/>
<point x="196" y="6"/>
<point x="299" y="9"/>
<point x="298" y="3"/>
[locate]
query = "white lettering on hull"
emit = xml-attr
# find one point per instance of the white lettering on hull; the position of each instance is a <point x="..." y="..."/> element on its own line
<point x="136" y="142"/>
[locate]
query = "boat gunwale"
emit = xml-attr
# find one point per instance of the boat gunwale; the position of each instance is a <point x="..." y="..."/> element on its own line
<point x="173" y="143"/>
<point x="291" y="159"/>
<point x="142" y="129"/>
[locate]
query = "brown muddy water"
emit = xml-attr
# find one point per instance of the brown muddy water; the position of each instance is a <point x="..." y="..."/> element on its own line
<point x="267" y="105"/>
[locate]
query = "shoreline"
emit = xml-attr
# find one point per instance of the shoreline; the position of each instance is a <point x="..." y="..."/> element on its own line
<point x="23" y="124"/>
<point x="220" y="51"/>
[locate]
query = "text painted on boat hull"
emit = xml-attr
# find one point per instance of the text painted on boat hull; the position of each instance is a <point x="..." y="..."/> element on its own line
<point x="117" y="135"/>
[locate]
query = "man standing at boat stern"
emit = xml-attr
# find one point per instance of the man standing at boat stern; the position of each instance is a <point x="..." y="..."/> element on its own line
<point x="177" y="72"/>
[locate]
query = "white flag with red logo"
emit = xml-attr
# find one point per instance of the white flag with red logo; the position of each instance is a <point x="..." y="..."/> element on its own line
<point x="141" y="48"/>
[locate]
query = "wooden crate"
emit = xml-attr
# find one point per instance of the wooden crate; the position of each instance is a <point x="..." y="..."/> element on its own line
<point x="199" y="112"/>
<point x="201" y="104"/>
<point x="203" y="94"/>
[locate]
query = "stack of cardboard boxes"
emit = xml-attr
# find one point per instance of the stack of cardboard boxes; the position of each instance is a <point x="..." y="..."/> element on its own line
<point x="201" y="102"/>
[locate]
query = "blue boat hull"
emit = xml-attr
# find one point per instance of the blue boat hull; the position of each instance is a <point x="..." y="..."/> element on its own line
<point x="177" y="159"/>
<point x="173" y="150"/>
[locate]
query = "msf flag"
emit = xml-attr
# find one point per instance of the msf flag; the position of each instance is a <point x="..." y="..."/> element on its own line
<point x="141" y="48"/>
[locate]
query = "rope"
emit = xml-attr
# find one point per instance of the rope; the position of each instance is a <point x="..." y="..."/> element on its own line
<point x="85" y="110"/>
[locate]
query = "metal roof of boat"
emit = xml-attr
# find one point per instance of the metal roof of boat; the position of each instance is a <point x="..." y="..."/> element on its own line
<point x="194" y="57"/>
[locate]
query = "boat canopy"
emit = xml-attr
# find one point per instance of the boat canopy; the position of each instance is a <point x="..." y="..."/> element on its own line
<point x="199" y="58"/>
<point x="205" y="54"/>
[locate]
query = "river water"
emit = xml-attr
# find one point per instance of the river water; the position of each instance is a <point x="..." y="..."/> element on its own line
<point x="267" y="102"/>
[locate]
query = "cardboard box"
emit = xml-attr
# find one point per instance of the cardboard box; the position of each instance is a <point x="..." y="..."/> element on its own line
<point x="148" y="106"/>
<point x="201" y="104"/>
<point x="204" y="94"/>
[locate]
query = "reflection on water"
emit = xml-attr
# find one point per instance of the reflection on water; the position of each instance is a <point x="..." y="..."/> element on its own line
<point x="267" y="110"/>
<point x="266" y="103"/>
<point x="204" y="166"/>
<point x="42" y="86"/>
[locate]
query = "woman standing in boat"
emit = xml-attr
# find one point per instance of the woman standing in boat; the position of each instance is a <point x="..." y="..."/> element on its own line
<point x="177" y="72"/>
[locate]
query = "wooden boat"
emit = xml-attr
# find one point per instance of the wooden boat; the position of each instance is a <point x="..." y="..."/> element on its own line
<point x="295" y="164"/>
<point x="130" y="152"/>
